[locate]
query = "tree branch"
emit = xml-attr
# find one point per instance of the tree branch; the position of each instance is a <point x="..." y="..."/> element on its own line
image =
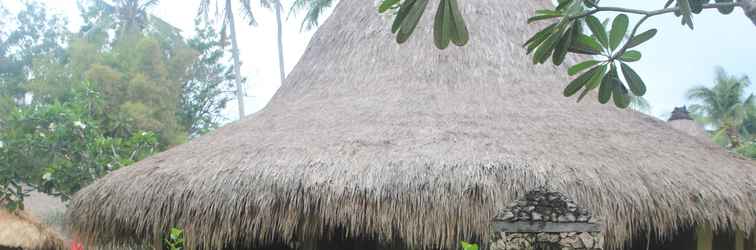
<point x="748" y="6"/>
<point x="740" y="3"/>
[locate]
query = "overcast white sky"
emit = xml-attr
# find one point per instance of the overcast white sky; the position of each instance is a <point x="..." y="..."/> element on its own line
<point x="676" y="60"/>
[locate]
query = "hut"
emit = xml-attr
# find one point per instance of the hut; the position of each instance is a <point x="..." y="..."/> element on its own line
<point x="373" y="145"/>
<point x="21" y="231"/>
<point x="681" y="120"/>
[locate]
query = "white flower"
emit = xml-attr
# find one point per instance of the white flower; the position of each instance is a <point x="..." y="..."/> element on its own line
<point x="51" y="127"/>
<point x="47" y="176"/>
<point x="80" y="124"/>
<point x="144" y="133"/>
<point x="2" y="144"/>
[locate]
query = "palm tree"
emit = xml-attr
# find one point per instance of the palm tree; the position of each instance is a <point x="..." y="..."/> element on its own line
<point x="228" y="23"/>
<point x="314" y="9"/>
<point x="133" y="13"/>
<point x="640" y="104"/>
<point x="277" y="7"/>
<point x="725" y="105"/>
<point x="125" y="17"/>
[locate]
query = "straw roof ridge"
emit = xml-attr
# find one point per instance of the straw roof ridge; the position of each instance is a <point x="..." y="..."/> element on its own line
<point x="370" y="139"/>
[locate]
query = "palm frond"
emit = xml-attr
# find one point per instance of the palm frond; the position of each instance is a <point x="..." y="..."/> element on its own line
<point x="640" y="104"/>
<point x="314" y="10"/>
<point x="247" y="13"/>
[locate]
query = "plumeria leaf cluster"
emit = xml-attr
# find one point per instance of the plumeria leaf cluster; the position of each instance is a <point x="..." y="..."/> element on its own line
<point x="448" y="26"/>
<point x="574" y="29"/>
<point x="610" y="46"/>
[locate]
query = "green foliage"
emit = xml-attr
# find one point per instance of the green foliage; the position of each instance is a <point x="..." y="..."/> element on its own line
<point x="58" y="148"/>
<point x="140" y="81"/>
<point x="314" y="10"/>
<point x="726" y="106"/>
<point x="34" y="32"/>
<point x="99" y="102"/>
<point x="175" y="239"/>
<point x="449" y="25"/>
<point x="609" y="47"/>
<point x="206" y="93"/>
<point x="748" y="150"/>
<point x="468" y="246"/>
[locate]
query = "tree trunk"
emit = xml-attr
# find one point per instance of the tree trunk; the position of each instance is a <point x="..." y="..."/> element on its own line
<point x="237" y="63"/>
<point x="277" y="6"/>
<point x="734" y="136"/>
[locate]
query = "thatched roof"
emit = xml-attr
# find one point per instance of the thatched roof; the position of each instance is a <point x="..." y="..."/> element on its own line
<point x="410" y="143"/>
<point x="20" y="230"/>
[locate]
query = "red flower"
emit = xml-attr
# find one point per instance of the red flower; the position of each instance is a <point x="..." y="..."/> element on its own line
<point x="75" y="245"/>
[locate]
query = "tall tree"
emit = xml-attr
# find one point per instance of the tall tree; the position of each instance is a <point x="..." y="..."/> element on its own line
<point x="725" y="105"/>
<point x="277" y="8"/>
<point x="313" y="9"/>
<point x="34" y="33"/>
<point x="133" y="13"/>
<point x="205" y="93"/>
<point x="228" y="25"/>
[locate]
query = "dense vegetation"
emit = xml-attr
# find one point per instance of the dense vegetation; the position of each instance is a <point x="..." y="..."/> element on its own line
<point x="75" y="106"/>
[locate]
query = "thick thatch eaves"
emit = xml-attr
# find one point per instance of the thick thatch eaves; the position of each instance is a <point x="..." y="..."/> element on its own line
<point x="411" y="144"/>
<point x="20" y="230"/>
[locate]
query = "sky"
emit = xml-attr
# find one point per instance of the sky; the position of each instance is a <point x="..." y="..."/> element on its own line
<point x="676" y="60"/>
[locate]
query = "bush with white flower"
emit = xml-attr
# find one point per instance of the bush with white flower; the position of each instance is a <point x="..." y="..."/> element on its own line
<point x="60" y="148"/>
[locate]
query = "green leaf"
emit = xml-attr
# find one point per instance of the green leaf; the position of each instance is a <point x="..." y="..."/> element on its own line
<point x="468" y="246"/>
<point x="631" y="56"/>
<point x="590" y="3"/>
<point x="402" y="14"/>
<point x="410" y="22"/>
<point x="562" y="46"/>
<point x="563" y="4"/>
<point x="544" y="14"/>
<point x="539" y="37"/>
<point x="441" y="25"/>
<point x="633" y="80"/>
<point x="577" y="68"/>
<point x="621" y="96"/>
<point x="641" y="38"/>
<point x="459" y="34"/>
<point x="725" y="10"/>
<point x="594" y="81"/>
<point x="386" y="5"/>
<point x="579" y="82"/>
<point x="686" y="12"/>
<point x="619" y="29"/>
<point x="696" y="6"/>
<point x="607" y="85"/>
<point x="598" y="30"/>
<point x="586" y="45"/>
<point x="547" y="48"/>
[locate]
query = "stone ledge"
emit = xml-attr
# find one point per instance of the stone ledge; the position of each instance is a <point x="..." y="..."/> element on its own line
<point x="544" y="227"/>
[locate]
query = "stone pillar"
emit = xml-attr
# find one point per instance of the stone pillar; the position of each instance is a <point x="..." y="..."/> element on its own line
<point x="545" y="220"/>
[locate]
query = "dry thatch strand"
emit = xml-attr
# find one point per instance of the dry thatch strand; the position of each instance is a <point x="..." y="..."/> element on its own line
<point x="367" y="139"/>
<point x="20" y="230"/>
